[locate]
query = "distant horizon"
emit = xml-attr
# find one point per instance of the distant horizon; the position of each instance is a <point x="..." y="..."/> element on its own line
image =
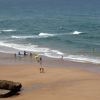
<point x="65" y="7"/>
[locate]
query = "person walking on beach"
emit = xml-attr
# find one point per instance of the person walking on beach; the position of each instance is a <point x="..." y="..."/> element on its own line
<point x="39" y="60"/>
<point x="41" y="67"/>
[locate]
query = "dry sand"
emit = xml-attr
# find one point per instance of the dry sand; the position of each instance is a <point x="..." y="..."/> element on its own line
<point x="56" y="83"/>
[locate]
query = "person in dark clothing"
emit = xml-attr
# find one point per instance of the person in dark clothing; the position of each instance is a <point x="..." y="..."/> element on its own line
<point x="25" y="53"/>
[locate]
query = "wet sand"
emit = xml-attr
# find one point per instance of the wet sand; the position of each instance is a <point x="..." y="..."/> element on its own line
<point x="61" y="80"/>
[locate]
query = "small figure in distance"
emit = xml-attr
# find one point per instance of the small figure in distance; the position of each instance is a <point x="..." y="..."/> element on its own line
<point x="41" y="68"/>
<point x="25" y="53"/>
<point x="15" y="55"/>
<point x="30" y="54"/>
<point x="39" y="60"/>
<point x="19" y="53"/>
<point x="62" y="57"/>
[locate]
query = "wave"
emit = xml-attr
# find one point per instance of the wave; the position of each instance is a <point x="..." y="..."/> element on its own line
<point x="7" y="30"/>
<point x="47" y="52"/>
<point x="47" y="34"/>
<point x="77" y="32"/>
<point x="40" y="35"/>
<point x="43" y="35"/>
<point x="76" y="58"/>
<point x="24" y="37"/>
<point x="27" y="37"/>
<point x="82" y="58"/>
<point x="30" y="47"/>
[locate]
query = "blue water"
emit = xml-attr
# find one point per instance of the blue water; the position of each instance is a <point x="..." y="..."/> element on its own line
<point x="52" y="28"/>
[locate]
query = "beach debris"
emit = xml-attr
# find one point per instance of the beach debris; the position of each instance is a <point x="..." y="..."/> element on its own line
<point x="9" y="88"/>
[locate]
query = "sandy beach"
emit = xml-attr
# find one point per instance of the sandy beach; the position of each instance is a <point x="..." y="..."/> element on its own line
<point x="61" y="79"/>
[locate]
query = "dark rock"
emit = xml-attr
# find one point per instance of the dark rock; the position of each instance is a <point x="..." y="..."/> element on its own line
<point x="7" y="93"/>
<point x="12" y="87"/>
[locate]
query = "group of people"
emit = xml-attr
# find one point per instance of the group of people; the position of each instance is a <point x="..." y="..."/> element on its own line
<point x="37" y="57"/>
<point x="24" y="53"/>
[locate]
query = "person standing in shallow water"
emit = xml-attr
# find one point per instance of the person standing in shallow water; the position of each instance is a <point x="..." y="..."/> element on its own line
<point x="25" y="53"/>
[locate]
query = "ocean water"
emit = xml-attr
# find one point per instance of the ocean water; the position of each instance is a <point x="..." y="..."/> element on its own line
<point x="51" y="28"/>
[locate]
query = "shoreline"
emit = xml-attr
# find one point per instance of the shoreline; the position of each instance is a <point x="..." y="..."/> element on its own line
<point x="10" y="59"/>
<point x="60" y="80"/>
<point x="56" y="54"/>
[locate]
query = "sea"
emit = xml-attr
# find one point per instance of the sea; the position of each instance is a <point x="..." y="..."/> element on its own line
<point x="52" y="28"/>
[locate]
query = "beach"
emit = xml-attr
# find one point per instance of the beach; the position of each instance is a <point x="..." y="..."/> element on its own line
<point x="57" y="82"/>
<point x="66" y="34"/>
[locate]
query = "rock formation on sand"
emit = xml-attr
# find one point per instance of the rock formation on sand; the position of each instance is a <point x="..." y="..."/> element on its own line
<point x="9" y="88"/>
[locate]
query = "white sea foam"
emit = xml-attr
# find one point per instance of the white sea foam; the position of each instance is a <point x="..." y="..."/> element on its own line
<point x="7" y="30"/>
<point x="33" y="48"/>
<point x="75" y="58"/>
<point x="41" y="35"/>
<point x="69" y="33"/>
<point x="57" y="52"/>
<point x="18" y="46"/>
<point x="49" y="52"/>
<point x="82" y="58"/>
<point x="76" y="32"/>
<point x="27" y="47"/>
<point x="46" y="34"/>
<point x="54" y="54"/>
<point x="24" y="37"/>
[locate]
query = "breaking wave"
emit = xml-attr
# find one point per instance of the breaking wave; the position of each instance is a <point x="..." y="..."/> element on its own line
<point x="24" y="37"/>
<point x="47" y="34"/>
<point x="77" y="32"/>
<point x="43" y="35"/>
<point x="82" y="58"/>
<point x="48" y="52"/>
<point x="31" y="48"/>
<point x="7" y="30"/>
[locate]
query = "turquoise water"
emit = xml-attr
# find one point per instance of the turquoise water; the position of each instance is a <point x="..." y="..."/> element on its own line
<point x="51" y="28"/>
